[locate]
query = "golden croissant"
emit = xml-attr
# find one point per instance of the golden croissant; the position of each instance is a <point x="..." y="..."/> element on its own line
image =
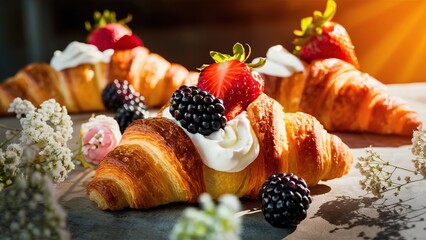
<point x="156" y="162"/>
<point x="343" y="98"/>
<point x="80" y="88"/>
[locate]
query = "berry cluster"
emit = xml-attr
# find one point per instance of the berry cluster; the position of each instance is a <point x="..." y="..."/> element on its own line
<point x="120" y="97"/>
<point x="197" y="111"/>
<point x="129" y="113"/>
<point x="285" y="200"/>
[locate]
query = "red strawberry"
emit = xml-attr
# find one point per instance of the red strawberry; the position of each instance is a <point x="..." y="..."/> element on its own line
<point x="319" y="38"/>
<point x="127" y="42"/>
<point x="109" y="34"/>
<point x="232" y="80"/>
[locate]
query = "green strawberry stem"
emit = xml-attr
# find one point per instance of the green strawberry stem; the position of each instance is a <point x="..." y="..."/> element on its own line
<point x="310" y="26"/>
<point x="101" y="19"/>
<point x="239" y="54"/>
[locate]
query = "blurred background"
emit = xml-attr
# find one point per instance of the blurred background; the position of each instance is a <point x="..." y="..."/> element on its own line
<point x="389" y="35"/>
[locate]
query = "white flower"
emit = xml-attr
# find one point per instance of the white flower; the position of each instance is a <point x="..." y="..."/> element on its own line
<point x="37" y="156"/>
<point x="419" y="142"/>
<point x="20" y="107"/>
<point x="231" y="202"/>
<point x="419" y="151"/>
<point x="211" y="222"/>
<point x="30" y="210"/>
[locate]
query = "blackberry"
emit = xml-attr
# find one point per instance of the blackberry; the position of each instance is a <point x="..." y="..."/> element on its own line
<point x="285" y="199"/>
<point x="128" y="113"/>
<point x="197" y="111"/>
<point x="115" y="94"/>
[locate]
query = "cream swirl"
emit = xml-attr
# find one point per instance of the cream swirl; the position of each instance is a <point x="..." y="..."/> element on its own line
<point x="77" y="53"/>
<point x="228" y="150"/>
<point x="280" y="63"/>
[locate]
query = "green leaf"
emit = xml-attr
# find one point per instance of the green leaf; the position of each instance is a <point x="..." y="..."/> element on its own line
<point x="202" y="67"/>
<point x="239" y="53"/>
<point x="220" y="57"/>
<point x="85" y="163"/>
<point x="298" y="33"/>
<point x="101" y="19"/>
<point x="259" y="63"/>
<point x="248" y="54"/>
<point x="317" y="16"/>
<point x="126" y="20"/>
<point x="330" y="10"/>
<point x="87" y="26"/>
<point x="305" y="23"/>
<point x="97" y="15"/>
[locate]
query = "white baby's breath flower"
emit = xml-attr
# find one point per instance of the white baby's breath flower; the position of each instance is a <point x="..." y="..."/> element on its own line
<point x="34" y="158"/>
<point x="206" y="202"/>
<point x="20" y="107"/>
<point x="419" y="142"/>
<point x="378" y="174"/>
<point x="419" y="151"/>
<point x="25" y="216"/>
<point x="210" y="222"/>
<point x="231" y="202"/>
<point x="9" y="162"/>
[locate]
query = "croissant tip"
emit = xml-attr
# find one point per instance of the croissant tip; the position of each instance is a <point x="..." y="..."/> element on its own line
<point x="97" y="198"/>
<point x="106" y="194"/>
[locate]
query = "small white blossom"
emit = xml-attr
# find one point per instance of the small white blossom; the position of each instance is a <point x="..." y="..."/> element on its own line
<point x="378" y="174"/>
<point x="419" y="142"/>
<point x="35" y="157"/>
<point x="26" y="217"/>
<point x="211" y="222"/>
<point x="419" y="151"/>
<point x="20" y="107"/>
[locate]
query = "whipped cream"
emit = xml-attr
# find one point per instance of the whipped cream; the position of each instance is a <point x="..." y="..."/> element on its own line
<point x="77" y="53"/>
<point x="228" y="150"/>
<point x="280" y="63"/>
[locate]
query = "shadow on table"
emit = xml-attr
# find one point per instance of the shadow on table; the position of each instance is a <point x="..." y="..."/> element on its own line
<point x="319" y="189"/>
<point x="363" y="140"/>
<point x="86" y="221"/>
<point x="346" y="213"/>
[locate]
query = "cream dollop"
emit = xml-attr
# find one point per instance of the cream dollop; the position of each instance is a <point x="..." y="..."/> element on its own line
<point x="228" y="150"/>
<point x="280" y="63"/>
<point x="77" y="53"/>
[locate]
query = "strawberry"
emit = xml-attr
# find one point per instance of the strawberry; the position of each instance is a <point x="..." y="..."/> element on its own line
<point x="232" y="80"/>
<point x="319" y="38"/>
<point x="107" y="33"/>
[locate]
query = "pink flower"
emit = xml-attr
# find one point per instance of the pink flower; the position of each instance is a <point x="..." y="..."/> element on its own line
<point x="100" y="135"/>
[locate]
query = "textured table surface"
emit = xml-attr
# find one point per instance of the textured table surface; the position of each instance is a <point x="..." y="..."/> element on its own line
<point x="340" y="209"/>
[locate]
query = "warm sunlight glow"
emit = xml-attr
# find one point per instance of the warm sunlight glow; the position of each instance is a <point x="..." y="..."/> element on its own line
<point x="389" y="38"/>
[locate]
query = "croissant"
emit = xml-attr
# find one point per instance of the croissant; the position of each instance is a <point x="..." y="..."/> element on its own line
<point x="151" y="75"/>
<point x="36" y="82"/>
<point x="343" y="98"/>
<point x="80" y="88"/>
<point x="156" y="162"/>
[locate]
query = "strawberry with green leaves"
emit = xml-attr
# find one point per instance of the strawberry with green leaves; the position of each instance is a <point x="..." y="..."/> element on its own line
<point x="232" y="80"/>
<point x="108" y="33"/>
<point x="320" y="38"/>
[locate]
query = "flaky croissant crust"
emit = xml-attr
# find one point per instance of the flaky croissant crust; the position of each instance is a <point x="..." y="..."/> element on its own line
<point x="80" y="88"/>
<point x="343" y="98"/>
<point x="156" y="163"/>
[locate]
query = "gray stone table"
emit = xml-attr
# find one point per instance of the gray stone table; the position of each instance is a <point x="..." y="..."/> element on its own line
<point x="340" y="209"/>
